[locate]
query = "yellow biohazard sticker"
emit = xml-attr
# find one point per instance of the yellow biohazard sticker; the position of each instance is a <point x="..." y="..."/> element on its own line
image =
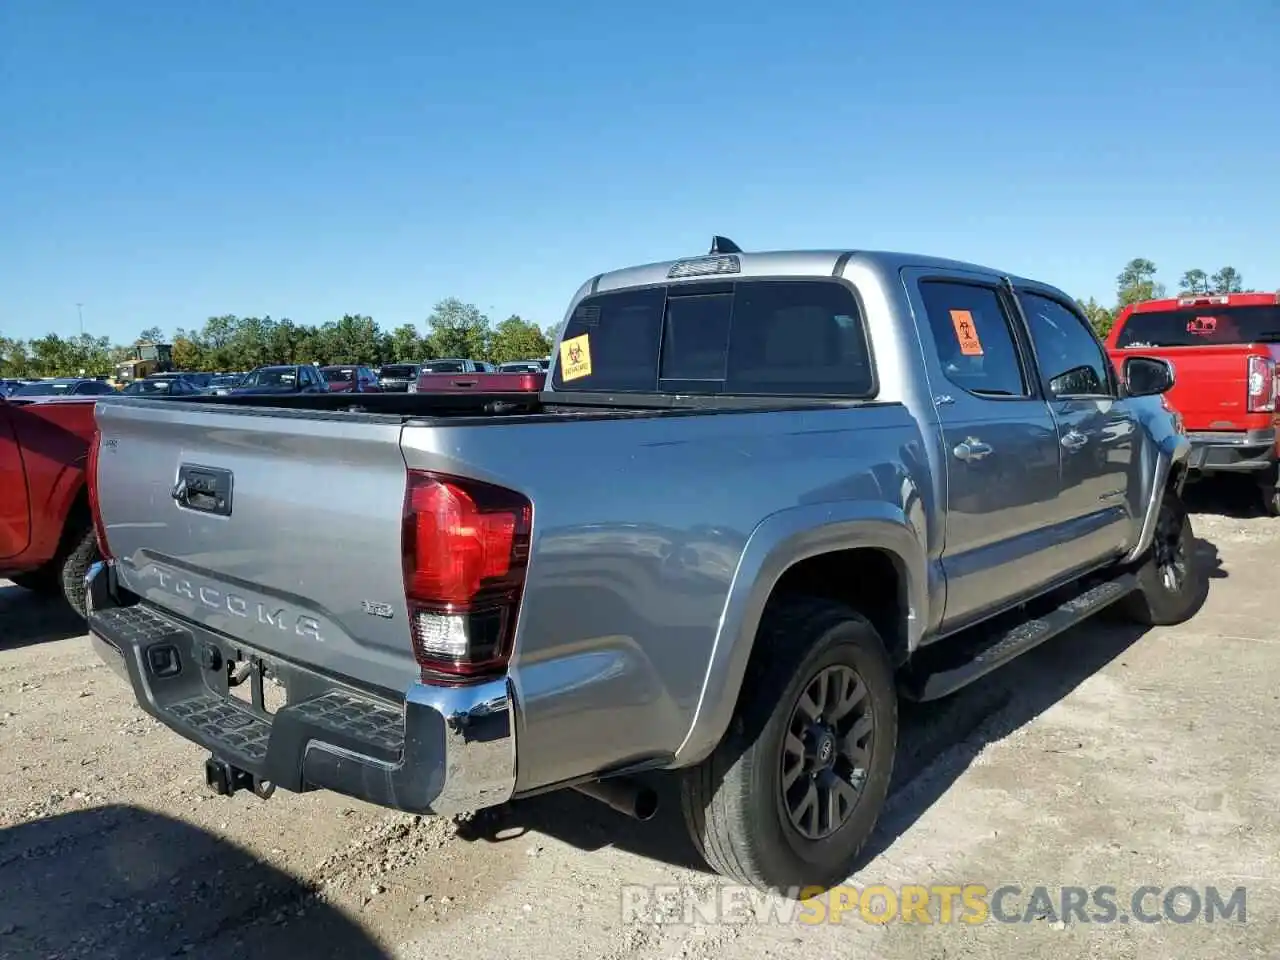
<point x="966" y="333"/>
<point x="575" y="357"/>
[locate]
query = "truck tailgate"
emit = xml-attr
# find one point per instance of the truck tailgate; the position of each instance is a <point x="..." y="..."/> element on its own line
<point x="1211" y="382"/>
<point x="301" y="560"/>
<point x="481" y="382"/>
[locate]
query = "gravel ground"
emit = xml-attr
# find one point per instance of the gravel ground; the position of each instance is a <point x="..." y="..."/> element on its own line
<point x="1107" y="756"/>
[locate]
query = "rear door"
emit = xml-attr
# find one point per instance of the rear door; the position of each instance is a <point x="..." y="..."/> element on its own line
<point x="1097" y="431"/>
<point x="1000" y="439"/>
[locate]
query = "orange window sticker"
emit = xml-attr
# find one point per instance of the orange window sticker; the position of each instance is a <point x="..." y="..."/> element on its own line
<point x="966" y="333"/>
<point x="575" y="357"/>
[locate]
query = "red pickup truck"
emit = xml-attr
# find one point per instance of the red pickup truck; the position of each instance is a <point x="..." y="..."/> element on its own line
<point x="445" y="376"/>
<point x="47" y="540"/>
<point x="1224" y="349"/>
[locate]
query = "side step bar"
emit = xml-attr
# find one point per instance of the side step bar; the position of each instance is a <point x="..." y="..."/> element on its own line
<point x="958" y="663"/>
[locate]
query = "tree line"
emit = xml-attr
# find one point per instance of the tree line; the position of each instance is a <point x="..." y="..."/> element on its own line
<point x="1138" y="281"/>
<point x="454" y="329"/>
<point x="227" y="343"/>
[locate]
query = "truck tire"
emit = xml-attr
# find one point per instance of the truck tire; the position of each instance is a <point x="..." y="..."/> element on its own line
<point x="1172" y="585"/>
<point x="791" y="794"/>
<point x="1270" y="499"/>
<point x="75" y="565"/>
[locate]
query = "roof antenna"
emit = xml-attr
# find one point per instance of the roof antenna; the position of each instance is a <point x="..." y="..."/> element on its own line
<point x="724" y="245"/>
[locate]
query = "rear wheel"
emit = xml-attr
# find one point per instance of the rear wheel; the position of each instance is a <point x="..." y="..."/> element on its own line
<point x="74" y="568"/>
<point x="791" y="794"/>
<point x="1270" y="494"/>
<point x="1172" y="585"/>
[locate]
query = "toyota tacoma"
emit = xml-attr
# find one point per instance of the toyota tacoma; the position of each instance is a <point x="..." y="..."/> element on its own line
<point x="761" y="497"/>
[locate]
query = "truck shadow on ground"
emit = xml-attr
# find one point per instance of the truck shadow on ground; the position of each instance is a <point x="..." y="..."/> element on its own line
<point x="124" y="882"/>
<point x="937" y="742"/>
<point x="1225" y="496"/>
<point x="27" y="618"/>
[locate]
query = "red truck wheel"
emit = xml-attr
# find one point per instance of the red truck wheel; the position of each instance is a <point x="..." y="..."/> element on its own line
<point x="75" y="565"/>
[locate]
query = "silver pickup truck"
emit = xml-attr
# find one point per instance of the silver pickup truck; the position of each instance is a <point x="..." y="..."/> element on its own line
<point x="762" y="496"/>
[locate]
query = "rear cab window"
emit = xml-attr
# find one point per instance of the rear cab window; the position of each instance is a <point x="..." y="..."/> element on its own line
<point x="1201" y="325"/>
<point x="786" y="338"/>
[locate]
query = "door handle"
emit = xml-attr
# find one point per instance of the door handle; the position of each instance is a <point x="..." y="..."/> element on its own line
<point x="971" y="449"/>
<point x="1074" y="440"/>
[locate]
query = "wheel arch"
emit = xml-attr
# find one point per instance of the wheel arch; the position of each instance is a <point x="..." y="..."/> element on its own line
<point x="818" y="544"/>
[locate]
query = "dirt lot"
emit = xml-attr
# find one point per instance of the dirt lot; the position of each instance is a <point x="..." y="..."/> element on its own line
<point x="1106" y="757"/>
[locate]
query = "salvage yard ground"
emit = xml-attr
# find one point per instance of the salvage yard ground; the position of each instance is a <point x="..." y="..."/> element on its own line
<point x="1106" y="757"/>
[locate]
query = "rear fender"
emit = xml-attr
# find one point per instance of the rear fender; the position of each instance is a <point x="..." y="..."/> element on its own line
<point x="50" y="518"/>
<point x="780" y="541"/>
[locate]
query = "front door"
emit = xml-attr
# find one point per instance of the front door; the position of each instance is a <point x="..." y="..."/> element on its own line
<point x="1000" y="441"/>
<point x="1097" y="431"/>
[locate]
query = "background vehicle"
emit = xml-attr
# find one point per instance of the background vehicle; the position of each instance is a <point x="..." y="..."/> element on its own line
<point x="348" y="378"/>
<point x="145" y="359"/>
<point x="46" y="534"/>
<point x="64" y="387"/>
<point x="162" y="387"/>
<point x="223" y="383"/>
<point x="523" y="366"/>
<point x="433" y="379"/>
<point x="9" y="386"/>
<point x="295" y="378"/>
<point x="761" y="495"/>
<point x="438" y="372"/>
<point x="397" y="377"/>
<point x="1225" y="350"/>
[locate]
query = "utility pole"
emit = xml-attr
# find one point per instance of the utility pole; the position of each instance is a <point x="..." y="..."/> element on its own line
<point x="80" y="314"/>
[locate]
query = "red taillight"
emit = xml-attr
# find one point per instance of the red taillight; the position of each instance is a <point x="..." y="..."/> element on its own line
<point x="465" y="546"/>
<point x="1262" y="385"/>
<point x="91" y="480"/>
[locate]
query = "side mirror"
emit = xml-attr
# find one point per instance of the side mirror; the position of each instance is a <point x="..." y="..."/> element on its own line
<point x="1147" y="376"/>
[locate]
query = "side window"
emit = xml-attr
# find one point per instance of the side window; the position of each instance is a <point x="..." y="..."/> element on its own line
<point x="974" y="338"/>
<point x="798" y="338"/>
<point x="1072" y="363"/>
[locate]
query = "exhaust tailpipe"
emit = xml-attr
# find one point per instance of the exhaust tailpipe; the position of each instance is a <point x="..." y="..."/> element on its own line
<point x="624" y="795"/>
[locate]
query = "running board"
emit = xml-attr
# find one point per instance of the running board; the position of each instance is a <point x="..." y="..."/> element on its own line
<point x="957" y="663"/>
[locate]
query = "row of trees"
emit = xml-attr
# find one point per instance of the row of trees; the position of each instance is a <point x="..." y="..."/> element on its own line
<point x="1138" y="281"/>
<point x="454" y="329"/>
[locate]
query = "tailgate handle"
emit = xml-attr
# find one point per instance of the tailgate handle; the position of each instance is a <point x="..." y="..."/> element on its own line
<point x="203" y="489"/>
<point x="465" y="383"/>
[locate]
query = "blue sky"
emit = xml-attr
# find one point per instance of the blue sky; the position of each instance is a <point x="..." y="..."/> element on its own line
<point x="162" y="162"/>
